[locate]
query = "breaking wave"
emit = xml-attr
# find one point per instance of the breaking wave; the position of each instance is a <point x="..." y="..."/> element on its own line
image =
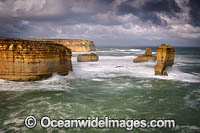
<point x="112" y="63"/>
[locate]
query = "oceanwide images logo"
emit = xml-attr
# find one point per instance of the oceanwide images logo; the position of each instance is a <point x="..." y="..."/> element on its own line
<point x="129" y="124"/>
<point x="30" y="121"/>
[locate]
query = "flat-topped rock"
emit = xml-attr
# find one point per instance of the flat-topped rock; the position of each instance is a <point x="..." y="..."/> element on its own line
<point x="147" y="56"/>
<point x="165" y="58"/>
<point x="87" y="57"/>
<point x="25" y="60"/>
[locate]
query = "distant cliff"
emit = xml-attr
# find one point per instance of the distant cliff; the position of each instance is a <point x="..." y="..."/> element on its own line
<point x="74" y="45"/>
<point x="26" y="60"/>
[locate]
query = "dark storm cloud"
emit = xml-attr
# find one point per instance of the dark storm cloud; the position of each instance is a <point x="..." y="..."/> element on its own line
<point x="149" y="9"/>
<point x="107" y="1"/>
<point x="145" y="16"/>
<point x="194" y="12"/>
<point x="84" y="11"/>
<point x="13" y="29"/>
<point x="103" y="20"/>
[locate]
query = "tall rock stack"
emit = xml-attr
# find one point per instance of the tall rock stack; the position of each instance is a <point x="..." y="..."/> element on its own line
<point x="165" y="58"/>
<point x="25" y="60"/>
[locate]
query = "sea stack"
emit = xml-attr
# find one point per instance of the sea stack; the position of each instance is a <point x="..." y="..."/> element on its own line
<point x="87" y="57"/>
<point x="145" y="57"/>
<point x="26" y="60"/>
<point x="165" y="58"/>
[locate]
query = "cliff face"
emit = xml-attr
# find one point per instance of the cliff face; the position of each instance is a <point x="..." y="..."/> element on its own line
<point x="146" y="57"/>
<point x="74" y="45"/>
<point x="25" y="60"/>
<point x="165" y="58"/>
<point x="77" y="45"/>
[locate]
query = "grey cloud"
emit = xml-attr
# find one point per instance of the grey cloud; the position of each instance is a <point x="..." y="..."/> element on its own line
<point x="147" y="11"/>
<point x="41" y="10"/>
<point x="98" y="19"/>
<point x="194" y="12"/>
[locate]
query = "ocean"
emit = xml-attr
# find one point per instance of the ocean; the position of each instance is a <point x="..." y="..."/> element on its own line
<point x="114" y="87"/>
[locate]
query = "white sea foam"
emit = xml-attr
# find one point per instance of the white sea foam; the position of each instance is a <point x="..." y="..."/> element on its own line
<point x="107" y="67"/>
<point x="114" y="66"/>
<point x="192" y="100"/>
<point x="120" y="50"/>
<point x="193" y="127"/>
<point x="60" y="82"/>
<point x="97" y="79"/>
<point x="135" y="50"/>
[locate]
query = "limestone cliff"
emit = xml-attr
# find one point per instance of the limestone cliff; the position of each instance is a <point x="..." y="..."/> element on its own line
<point x="87" y="57"/>
<point x="145" y="57"/>
<point x="165" y="58"/>
<point x="25" y="60"/>
<point x="75" y="45"/>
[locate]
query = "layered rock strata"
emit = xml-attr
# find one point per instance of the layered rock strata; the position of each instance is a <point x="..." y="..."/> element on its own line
<point x="165" y="58"/>
<point x="74" y="45"/>
<point x="25" y="60"/>
<point x="87" y="57"/>
<point x="145" y="57"/>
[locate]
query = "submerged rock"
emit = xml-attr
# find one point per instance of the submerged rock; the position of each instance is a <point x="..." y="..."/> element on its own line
<point x="25" y="60"/>
<point x="165" y="58"/>
<point x="87" y="57"/>
<point x="145" y="57"/>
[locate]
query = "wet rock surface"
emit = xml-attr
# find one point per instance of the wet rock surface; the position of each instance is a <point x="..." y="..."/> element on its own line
<point x="26" y="60"/>
<point x="165" y="58"/>
<point x="147" y="56"/>
<point x="87" y="57"/>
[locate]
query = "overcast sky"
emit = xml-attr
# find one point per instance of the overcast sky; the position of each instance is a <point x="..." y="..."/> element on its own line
<point x="106" y="22"/>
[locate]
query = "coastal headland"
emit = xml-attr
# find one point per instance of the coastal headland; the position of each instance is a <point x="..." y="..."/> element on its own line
<point x="76" y="45"/>
<point x="28" y="60"/>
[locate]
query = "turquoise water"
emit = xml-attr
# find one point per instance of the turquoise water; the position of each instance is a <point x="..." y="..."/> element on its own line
<point x="114" y="87"/>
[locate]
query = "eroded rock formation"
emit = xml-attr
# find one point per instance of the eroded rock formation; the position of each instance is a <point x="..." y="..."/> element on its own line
<point x="87" y="57"/>
<point x="25" y="60"/>
<point x="148" y="52"/>
<point x="145" y="57"/>
<point x="75" y="45"/>
<point x="78" y="45"/>
<point x="165" y="58"/>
